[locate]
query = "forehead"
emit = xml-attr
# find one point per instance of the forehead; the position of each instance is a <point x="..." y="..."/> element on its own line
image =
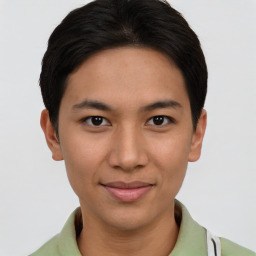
<point x="127" y="75"/>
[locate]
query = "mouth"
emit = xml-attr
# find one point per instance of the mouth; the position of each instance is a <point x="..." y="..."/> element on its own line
<point x="127" y="192"/>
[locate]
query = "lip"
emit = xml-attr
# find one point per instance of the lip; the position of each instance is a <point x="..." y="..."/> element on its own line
<point x="127" y="192"/>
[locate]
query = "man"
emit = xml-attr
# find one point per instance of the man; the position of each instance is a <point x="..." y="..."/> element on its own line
<point x="124" y="84"/>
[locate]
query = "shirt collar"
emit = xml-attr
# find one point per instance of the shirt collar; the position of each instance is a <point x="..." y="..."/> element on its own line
<point x="192" y="237"/>
<point x="67" y="238"/>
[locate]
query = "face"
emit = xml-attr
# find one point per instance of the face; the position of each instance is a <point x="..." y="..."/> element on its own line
<point x="126" y="135"/>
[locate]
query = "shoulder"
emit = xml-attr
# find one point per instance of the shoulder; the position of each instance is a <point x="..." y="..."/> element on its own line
<point x="231" y="249"/>
<point x="49" y="248"/>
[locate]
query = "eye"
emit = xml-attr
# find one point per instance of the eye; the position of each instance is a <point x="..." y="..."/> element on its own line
<point x="96" y="121"/>
<point x="160" y="120"/>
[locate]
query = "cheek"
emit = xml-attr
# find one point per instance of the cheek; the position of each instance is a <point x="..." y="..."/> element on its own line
<point x="170" y="156"/>
<point x="82" y="160"/>
<point x="81" y="151"/>
<point x="171" y="150"/>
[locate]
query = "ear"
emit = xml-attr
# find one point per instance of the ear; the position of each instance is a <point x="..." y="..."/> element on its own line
<point x="197" y="139"/>
<point x="50" y="136"/>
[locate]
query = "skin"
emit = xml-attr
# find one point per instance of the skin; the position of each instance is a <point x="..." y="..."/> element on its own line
<point x="128" y="146"/>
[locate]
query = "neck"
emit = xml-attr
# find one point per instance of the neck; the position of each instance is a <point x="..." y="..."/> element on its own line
<point x="158" y="238"/>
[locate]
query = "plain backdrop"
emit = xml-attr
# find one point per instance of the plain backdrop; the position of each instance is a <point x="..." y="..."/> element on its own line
<point x="219" y="190"/>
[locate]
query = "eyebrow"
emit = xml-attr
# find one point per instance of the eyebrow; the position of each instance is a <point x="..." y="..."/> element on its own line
<point x="92" y="104"/>
<point x="162" y="104"/>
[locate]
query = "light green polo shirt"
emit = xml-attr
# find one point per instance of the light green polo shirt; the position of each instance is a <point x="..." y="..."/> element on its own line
<point x="191" y="239"/>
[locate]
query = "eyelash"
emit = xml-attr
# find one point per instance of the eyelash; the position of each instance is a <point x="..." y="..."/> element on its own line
<point x="168" y="119"/>
<point x="85" y="120"/>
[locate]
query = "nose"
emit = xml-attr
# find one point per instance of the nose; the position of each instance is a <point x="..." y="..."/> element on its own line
<point x="128" y="150"/>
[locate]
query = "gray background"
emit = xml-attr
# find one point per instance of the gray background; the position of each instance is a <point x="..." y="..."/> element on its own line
<point x="219" y="190"/>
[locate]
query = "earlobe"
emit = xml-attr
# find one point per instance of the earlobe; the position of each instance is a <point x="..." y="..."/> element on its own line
<point x="50" y="136"/>
<point x="197" y="139"/>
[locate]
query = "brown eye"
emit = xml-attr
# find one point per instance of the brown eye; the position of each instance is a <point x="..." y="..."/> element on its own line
<point x="160" y="120"/>
<point x="96" y="121"/>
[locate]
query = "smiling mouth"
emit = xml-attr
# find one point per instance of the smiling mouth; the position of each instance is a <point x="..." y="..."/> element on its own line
<point x="127" y="192"/>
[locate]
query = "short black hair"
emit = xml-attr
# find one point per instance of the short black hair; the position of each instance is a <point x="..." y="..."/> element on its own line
<point x="105" y="24"/>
